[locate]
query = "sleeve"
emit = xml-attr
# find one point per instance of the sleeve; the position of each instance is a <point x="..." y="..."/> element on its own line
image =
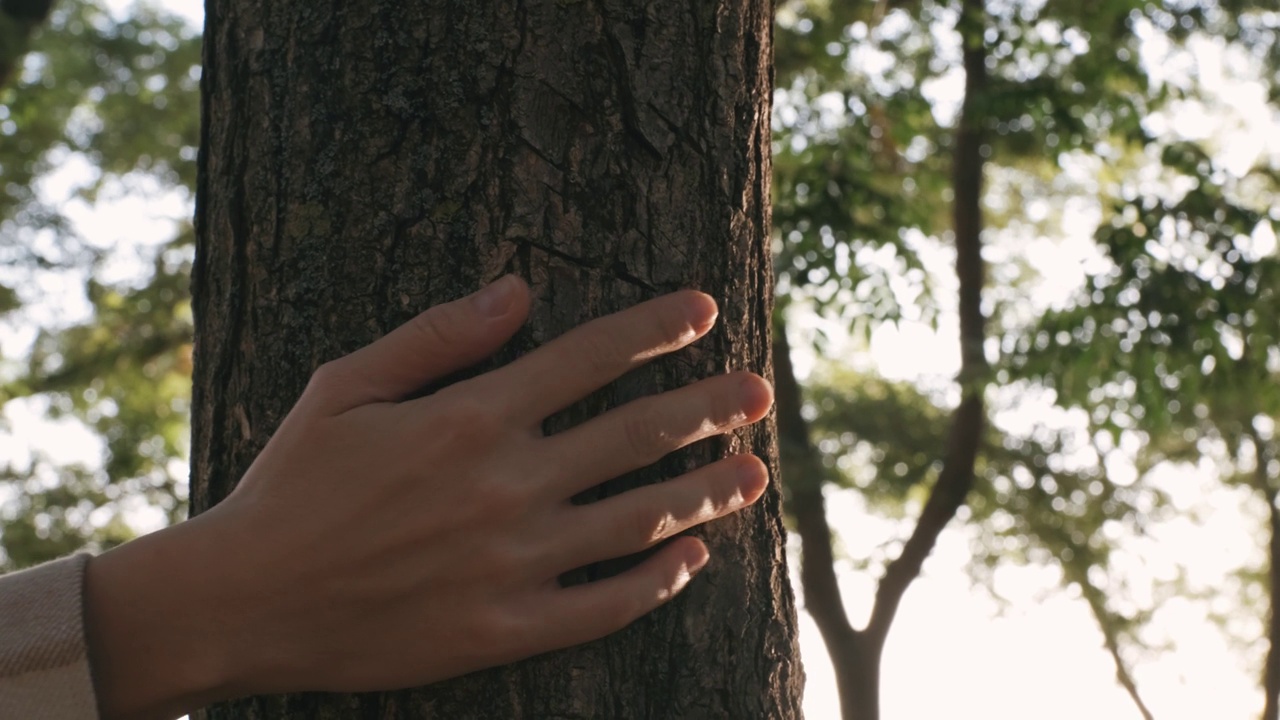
<point x="44" y="661"/>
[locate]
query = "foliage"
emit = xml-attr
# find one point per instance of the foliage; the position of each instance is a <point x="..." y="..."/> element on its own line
<point x="108" y="107"/>
<point x="1187" y="291"/>
<point x="1172" y="347"/>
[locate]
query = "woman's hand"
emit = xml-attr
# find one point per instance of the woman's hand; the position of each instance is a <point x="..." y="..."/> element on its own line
<point x="379" y="543"/>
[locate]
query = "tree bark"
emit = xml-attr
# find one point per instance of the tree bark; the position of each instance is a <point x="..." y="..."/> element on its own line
<point x="856" y="654"/>
<point x="361" y="165"/>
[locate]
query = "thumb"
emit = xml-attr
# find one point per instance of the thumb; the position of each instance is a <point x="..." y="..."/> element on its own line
<point x="442" y="340"/>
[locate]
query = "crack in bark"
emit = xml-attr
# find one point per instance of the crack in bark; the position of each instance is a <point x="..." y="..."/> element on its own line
<point x="618" y="270"/>
<point x="436" y="93"/>
<point x="617" y="56"/>
<point x="542" y="155"/>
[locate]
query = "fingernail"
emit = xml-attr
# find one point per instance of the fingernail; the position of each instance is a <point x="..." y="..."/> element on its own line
<point x="703" y="312"/>
<point x="757" y="395"/>
<point x="495" y="299"/>
<point x="749" y="473"/>
<point x="698" y="561"/>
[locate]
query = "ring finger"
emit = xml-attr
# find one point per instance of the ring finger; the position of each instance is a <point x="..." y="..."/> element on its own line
<point x="641" y="518"/>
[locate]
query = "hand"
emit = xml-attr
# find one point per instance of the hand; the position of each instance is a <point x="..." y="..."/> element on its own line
<point x="380" y="543"/>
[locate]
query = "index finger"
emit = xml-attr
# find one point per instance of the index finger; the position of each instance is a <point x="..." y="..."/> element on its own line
<point x="594" y="354"/>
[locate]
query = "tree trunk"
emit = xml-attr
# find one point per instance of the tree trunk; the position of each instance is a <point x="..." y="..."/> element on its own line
<point x="854" y="656"/>
<point x="361" y="165"/>
<point x="18" y="21"/>
<point x="1271" y="679"/>
<point x="1266" y="484"/>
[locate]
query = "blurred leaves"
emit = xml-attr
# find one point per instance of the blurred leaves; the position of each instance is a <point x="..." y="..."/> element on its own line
<point x="100" y="109"/>
<point x="1168" y="348"/>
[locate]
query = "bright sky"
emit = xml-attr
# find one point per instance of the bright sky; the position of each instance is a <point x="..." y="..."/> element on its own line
<point x="952" y="651"/>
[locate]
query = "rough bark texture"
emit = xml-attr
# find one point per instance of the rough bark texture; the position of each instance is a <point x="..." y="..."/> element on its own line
<point x="361" y="164"/>
<point x="856" y="654"/>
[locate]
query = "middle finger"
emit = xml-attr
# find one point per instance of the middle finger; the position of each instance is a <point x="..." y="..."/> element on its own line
<point x="641" y="432"/>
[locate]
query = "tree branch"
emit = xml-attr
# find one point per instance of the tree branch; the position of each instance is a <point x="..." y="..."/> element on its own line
<point x="967" y="423"/>
<point x="1098" y="605"/>
<point x="948" y="495"/>
<point x="802" y="469"/>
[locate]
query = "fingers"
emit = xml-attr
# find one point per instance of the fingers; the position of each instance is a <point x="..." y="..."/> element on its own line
<point x="641" y="518"/>
<point x="643" y="431"/>
<point x="590" y="356"/>
<point x="583" y="613"/>
<point x="442" y="340"/>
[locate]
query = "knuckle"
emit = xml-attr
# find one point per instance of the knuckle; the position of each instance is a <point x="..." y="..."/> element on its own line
<point x="644" y="433"/>
<point x="328" y="373"/>
<point x="502" y="632"/>
<point x="599" y="352"/>
<point x="329" y="378"/>
<point x="672" y="324"/>
<point x="499" y="497"/>
<point x="503" y="562"/>
<point x="437" y="327"/>
<point x="650" y="524"/>
<point x="465" y="419"/>
<point x="502" y="501"/>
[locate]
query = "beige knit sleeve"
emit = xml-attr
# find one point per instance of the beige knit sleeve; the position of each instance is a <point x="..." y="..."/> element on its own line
<point x="44" y="664"/>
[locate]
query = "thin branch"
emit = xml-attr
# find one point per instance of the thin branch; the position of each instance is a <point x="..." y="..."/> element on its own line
<point x="1098" y="605"/>
<point x="948" y="495"/>
<point x="964" y="438"/>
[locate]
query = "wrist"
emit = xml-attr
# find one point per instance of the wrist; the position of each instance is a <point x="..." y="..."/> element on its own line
<point x="158" y="637"/>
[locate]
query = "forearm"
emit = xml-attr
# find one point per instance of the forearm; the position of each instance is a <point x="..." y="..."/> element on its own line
<point x="157" y="627"/>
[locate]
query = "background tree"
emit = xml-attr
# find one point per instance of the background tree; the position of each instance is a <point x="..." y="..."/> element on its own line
<point x="104" y="109"/>
<point x="101" y="109"/>
<point x="856" y="653"/>
<point x="18" y="20"/>
<point x="860" y="134"/>
<point x="1176" y="345"/>
<point x="358" y="169"/>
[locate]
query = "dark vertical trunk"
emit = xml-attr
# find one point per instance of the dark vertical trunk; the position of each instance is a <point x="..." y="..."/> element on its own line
<point x="856" y="654"/>
<point x="18" y="21"/>
<point x="803" y="477"/>
<point x="966" y="181"/>
<point x="361" y="165"/>
<point x="1271" y="683"/>
<point x="1266" y="484"/>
